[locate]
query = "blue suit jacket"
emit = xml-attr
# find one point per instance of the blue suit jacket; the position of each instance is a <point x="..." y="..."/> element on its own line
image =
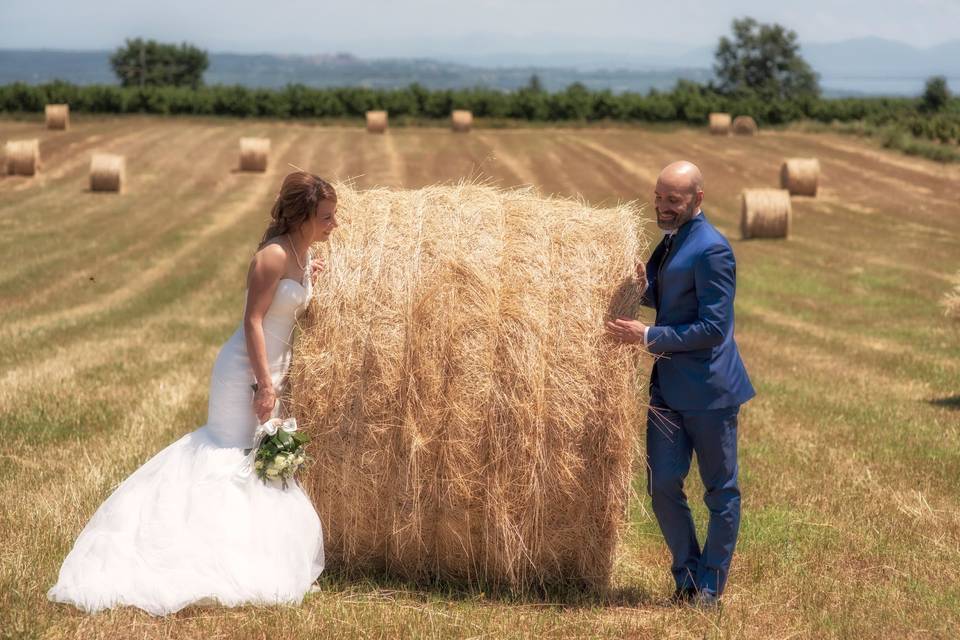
<point x="700" y="367"/>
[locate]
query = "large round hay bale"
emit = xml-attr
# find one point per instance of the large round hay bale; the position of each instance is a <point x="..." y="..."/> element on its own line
<point x="800" y="176"/>
<point x="765" y="213"/>
<point x="23" y="157"/>
<point x="744" y="126"/>
<point x="461" y="120"/>
<point x="107" y="172"/>
<point x="58" y="116"/>
<point x="470" y="421"/>
<point x="376" y="121"/>
<point x="951" y="302"/>
<point x="720" y="124"/>
<point x="254" y="153"/>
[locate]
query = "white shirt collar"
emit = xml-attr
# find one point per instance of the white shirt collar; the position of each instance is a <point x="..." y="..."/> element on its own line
<point x="673" y="232"/>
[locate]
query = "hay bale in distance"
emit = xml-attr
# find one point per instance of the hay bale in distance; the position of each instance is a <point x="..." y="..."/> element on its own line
<point x="800" y="176"/>
<point x="951" y="302"/>
<point x="23" y="157"/>
<point x="470" y="422"/>
<point x="254" y="153"/>
<point x="57" y="116"/>
<point x="765" y="213"/>
<point x="376" y="121"/>
<point x="461" y="120"/>
<point x="720" y="124"/>
<point x="107" y="172"/>
<point x="745" y="126"/>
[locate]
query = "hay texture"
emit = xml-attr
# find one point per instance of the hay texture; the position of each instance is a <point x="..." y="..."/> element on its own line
<point x="800" y="176"/>
<point x="720" y="124"/>
<point x="57" y="116"/>
<point x="471" y="421"/>
<point x="254" y="153"/>
<point x="745" y="126"/>
<point x="376" y="121"/>
<point x="22" y="157"/>
<point x="951" y="302"/>
<point x="108" y="172"/>
<point x="461" y="120"/>
<point x="765" y="213"/>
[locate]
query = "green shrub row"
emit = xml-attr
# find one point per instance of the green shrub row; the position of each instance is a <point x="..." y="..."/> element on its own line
<point x="688" y="102"/>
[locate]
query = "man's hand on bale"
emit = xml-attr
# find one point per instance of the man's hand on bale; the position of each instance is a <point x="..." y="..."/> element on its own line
<point x="642" y="276"/>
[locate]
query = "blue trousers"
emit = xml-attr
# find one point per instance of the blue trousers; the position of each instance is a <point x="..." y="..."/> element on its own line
<point x="672" y="438"/>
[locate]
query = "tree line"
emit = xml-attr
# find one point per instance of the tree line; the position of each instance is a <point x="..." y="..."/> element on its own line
<point x="759" y="72"/>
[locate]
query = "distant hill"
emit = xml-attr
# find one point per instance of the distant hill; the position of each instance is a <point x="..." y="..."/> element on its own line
<point x="862" y="66"/>
<point x="268" y="70"/>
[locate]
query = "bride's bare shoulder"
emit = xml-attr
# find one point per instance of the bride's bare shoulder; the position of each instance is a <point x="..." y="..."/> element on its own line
<point x="269" y="262"/>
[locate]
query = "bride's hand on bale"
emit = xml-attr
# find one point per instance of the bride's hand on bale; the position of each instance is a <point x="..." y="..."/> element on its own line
<point x="316" y="268"/>
<point x="264" y="399"/>
<point x="626" y="330"/>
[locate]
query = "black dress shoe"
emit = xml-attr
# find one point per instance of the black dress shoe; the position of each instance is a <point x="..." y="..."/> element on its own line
<point x="683" y="596"/>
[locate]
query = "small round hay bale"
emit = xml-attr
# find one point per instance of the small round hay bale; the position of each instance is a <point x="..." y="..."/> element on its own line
<point x="376" y="121"/>
<point x="765" y="213"/>
<point x="58" y="116"/>
<point x="254" y="153"/>
<point x="107" y="172"/>
<point x="800" y="176"/>
<point x="23" y="157"/>
<point x="470" y="421"/>
<point x="745" y="126"/>
<point x="461" y="120"/>
<point x="720" y="124"/>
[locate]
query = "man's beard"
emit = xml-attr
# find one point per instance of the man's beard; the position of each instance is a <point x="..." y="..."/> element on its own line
<point x="678" y="218"/>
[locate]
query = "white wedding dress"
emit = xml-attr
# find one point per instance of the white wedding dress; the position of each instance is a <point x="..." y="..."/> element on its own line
<point x="189" y="527"/>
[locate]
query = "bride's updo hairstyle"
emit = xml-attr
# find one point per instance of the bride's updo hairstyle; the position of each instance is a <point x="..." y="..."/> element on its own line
<point x="298" y="199"/>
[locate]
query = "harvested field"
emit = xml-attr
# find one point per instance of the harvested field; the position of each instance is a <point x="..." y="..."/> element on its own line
<point x="113" y="309"/>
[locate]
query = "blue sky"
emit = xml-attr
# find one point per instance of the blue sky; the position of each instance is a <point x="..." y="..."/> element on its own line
<point x="431" y="27"/>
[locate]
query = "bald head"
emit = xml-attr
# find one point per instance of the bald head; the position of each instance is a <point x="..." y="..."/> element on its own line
<point x="682" y="175"/>
<point x="678" y="194"/>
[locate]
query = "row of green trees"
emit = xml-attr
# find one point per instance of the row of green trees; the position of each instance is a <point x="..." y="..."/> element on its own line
<point x="687" y="102"/>
<point x="759" y="71"/>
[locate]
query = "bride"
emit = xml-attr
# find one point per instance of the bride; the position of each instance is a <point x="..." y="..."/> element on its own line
<point x="188" y="527"/>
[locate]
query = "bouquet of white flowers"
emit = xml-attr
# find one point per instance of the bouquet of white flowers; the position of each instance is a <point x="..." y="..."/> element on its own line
<point x="279" y="450"/>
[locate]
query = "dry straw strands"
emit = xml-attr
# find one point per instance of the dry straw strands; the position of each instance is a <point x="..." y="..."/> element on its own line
<point x="471" y="422"/>
<point x="765" y="213"/>
<point x="951" y="302"/>
<point x="720" y="124"/>
<point x="800" y="176"/>
<point x="23" y="157"/>
<point x="58" y="116"/>
<point x="461" y="120"/>
<point x="744" y="126"/>
<point x="107" y="172"/>
<point x="376" y="121"/>
<point x="254" y="153"/>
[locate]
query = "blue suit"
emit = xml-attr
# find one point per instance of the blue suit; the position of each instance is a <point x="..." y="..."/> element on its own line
<point x="696" y="389"/>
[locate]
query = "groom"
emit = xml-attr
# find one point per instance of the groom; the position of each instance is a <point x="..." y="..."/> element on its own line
<point x="697" y="385"/>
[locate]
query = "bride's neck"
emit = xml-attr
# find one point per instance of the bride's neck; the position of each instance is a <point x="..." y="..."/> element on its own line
<point x="300" y="243"/>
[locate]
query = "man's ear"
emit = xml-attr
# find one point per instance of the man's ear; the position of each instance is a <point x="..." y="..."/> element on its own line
<point x="699" y="198"/>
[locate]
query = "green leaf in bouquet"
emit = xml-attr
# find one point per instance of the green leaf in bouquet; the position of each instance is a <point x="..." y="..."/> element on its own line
<point x="300" y="438"/>
<point x="285" y="439"/>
